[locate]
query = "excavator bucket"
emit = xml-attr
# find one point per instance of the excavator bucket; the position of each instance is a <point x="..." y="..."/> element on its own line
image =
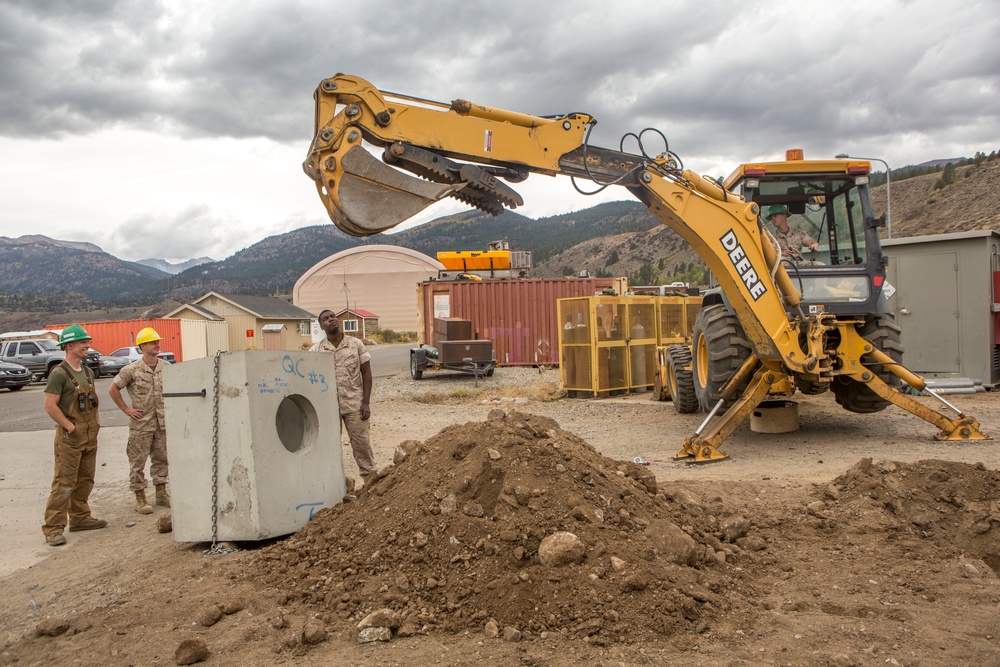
<point x="364" y="196"/>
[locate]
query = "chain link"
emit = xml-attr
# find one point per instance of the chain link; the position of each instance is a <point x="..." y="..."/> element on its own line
<point x="215" y="463"/>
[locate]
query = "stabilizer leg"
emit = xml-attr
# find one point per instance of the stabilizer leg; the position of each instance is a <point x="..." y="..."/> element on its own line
<point x="704" y="447"/>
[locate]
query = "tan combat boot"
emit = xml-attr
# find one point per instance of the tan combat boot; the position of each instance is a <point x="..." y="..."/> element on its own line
<point x="162" y="497"/>
<point x="141" y="506"/>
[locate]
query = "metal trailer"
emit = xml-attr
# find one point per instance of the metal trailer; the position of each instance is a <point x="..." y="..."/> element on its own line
<point x="474" y="357"/>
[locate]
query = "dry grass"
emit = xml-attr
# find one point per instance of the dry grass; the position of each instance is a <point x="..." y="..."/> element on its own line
<point x="539" y="392"/>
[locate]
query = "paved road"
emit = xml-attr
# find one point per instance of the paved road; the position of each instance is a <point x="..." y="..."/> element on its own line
<point x="391" y="359"/>
<point x="22" y="410"/>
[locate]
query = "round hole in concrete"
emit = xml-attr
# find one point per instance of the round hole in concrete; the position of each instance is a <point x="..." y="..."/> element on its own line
<point x="296" y="423"/>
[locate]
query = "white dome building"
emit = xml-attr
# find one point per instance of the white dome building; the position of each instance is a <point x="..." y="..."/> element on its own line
<point x="378" y="278"/>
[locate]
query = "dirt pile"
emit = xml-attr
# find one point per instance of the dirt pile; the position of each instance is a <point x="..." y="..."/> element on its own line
<point x="955" y="506"/>
<point x="469" y="533"/>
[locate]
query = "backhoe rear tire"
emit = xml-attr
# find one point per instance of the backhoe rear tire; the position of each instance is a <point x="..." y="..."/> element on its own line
<point x="883" y="332"/>
<point x="680" y="380"/>
<point x="720" y="348"/>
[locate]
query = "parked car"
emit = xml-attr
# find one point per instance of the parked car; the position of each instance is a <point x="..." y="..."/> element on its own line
<point x="106" y="364"/>
<point x="93" y="362"/>
<point x="13" y="376"/>
<point x="38" y="355"/>
<point x="134" y="353"/>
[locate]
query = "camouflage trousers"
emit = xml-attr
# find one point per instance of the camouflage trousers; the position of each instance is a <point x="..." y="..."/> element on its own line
<point x="359" y="432"/>
<point x="143" y="445"/>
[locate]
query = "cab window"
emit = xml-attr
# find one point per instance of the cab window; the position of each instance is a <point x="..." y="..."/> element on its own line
<point x="826" y="207"/>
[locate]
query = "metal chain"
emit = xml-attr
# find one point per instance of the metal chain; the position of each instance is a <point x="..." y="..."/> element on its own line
<point x="215" y="464"/>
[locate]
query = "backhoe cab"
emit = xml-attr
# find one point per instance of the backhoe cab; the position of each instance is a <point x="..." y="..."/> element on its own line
<point x="828" y="201"/>
<point x="821" y="323"/>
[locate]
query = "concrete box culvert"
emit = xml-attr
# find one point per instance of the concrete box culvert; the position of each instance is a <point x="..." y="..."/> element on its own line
<point x="279" y="448"/>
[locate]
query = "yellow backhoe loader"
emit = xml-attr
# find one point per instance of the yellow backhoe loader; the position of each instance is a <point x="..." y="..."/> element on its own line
<point x="757" y="331"/>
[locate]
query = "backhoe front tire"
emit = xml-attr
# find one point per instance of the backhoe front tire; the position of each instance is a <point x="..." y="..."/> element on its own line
<point x="680" y="380"/>
<point x="883" y="332"/>
<point x="720" y="348"/>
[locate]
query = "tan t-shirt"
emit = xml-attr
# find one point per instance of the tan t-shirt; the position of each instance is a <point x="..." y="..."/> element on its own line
<point x="348" y="358"/>
<point x="792" y="243"/>
<point x="144" y="384"/>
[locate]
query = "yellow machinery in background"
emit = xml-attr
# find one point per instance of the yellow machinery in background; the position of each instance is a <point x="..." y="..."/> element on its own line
<point x="499" y="261"/>
<point x="608" y="345"/>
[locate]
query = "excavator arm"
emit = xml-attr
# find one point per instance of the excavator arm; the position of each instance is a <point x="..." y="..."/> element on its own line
<point x="466" y="151"/>
<point x="463" y="150"/>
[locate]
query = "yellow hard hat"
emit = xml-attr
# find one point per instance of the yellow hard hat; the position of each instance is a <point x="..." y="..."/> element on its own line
<point x="147" y="335"/>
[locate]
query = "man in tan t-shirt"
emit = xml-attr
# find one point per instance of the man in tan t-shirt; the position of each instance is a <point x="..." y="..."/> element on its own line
<point x="354" y="388"/>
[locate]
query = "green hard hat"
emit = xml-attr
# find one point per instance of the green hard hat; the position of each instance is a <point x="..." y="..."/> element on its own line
<point x="72" y="333"/>
<point x="775" y="210"/>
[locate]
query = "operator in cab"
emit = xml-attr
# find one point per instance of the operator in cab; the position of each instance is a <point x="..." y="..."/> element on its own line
<point x="791" y="240"/>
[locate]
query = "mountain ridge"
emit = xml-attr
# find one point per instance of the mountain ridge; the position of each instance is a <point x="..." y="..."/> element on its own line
<point x="173" y="268"/>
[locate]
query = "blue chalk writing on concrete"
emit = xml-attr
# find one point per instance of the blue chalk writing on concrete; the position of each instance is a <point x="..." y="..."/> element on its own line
<point x="312" y="508"/>
<point x="292" y="366"/>
<point x="276" y="385"/>
<point x="318" y="378"/>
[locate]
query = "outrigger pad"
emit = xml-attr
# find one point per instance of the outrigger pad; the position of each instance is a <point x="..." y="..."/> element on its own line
<point x="372" y="197"/>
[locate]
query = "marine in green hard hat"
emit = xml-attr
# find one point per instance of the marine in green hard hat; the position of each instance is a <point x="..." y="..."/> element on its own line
<point x="71" y="401"/>
<point x="775" y="210"/>
<point x="791" y="240"/>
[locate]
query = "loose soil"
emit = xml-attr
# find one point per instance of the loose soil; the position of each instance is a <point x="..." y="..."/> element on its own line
<point x="856" y="540"/>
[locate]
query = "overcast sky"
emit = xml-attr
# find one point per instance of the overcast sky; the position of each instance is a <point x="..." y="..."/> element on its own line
<point x="177" y="129"/>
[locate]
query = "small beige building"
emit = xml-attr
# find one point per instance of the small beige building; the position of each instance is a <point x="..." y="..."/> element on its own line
<point x="254" y="322"/>
<point x="379" y="278"/>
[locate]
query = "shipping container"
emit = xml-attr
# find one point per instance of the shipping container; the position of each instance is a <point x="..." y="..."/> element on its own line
<point x="194" y="342"/>
<point x="203" y="338"/>
<point x="519" y="316"/>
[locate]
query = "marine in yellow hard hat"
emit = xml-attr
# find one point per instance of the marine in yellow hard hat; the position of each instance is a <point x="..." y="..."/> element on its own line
<point x="147" y="335"/>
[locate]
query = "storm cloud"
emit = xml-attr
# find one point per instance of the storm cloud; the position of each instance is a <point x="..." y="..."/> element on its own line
<point x="903" y="80"/>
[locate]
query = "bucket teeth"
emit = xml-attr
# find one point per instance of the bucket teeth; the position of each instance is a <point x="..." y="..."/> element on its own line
<point x="475" y="185"/>
<point x="366" y="196"/>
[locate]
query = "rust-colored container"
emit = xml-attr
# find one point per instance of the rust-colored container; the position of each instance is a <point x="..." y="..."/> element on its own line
<point x="518" y="316"/>
<point x="109" y="336"/>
